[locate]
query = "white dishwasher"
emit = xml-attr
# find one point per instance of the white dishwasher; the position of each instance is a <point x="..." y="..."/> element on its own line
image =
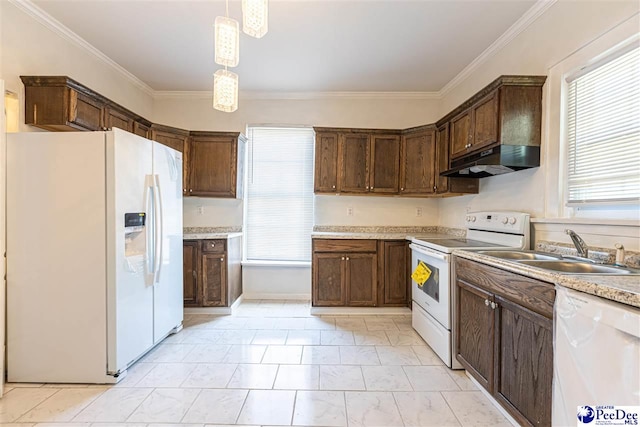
<point x="596" y="355"/>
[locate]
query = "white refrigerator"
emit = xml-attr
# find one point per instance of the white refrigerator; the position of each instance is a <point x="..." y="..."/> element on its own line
<point x="94" y="253"/>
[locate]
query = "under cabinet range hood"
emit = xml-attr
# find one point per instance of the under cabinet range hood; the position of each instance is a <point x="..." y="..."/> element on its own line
<point x="495" y="161"/>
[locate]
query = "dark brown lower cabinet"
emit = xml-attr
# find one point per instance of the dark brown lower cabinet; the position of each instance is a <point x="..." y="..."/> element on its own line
<point x="360" y="273"/>
<point x="504" y="337"/>
<point x="394" y="264"/>
<point x="190" y="259"/>
<point x="212" y="272"/>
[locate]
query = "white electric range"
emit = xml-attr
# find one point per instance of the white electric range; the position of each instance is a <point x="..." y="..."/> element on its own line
<point x="432" y="308"/>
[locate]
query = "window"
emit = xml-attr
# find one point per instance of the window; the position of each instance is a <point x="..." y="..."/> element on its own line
<point x="603" y="131"/>
<point x="279" y="202"/>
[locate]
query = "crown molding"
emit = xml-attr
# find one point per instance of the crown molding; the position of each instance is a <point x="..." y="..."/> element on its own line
<point x="58" y="27"/>
<point x="540" y="7"/>
<point x="170" y="94"/>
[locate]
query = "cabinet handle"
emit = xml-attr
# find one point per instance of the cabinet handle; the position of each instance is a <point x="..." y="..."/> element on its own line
<point x="221" y="259"/>
<point x="486" y="302"/>
<point x="333" y="187"/>
<point x="493" y="305"/>
<point x="347" y="258"/>
<point x="190" y="191"/>
<point x="184" y="190"/>
<point x="367" y="187"/>
<point x="213" y="245"/>
<point x="401" y="188"/>
<point x="342" y="258"/>
<point x="435" y="188"/>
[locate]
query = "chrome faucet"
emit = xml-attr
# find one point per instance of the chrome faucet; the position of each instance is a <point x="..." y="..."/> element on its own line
<point x="581" y="246"/>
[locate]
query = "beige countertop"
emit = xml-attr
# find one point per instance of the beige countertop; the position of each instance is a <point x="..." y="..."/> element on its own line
<point x="384" y="232"/>
<point x="200" y="236"/>
<point x="623" y="288"/>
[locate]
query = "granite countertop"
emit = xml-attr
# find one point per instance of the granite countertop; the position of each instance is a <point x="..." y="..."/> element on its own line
<point x="199" y="233"/>
<point x="384" y="232"/>
<point x="624" y="288"/>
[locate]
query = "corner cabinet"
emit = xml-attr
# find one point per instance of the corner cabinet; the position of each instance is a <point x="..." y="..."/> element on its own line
<point x="504" y="337"/>
<point x="360" y="273"/>
<point x="212" y="272"/>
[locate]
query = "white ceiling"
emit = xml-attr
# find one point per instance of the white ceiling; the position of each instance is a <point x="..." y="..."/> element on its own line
<point x="311" y="46"/>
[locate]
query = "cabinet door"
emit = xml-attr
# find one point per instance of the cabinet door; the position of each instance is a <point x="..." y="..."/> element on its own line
<point x="85" y="112"/>
<point x="460" y="134"/>
<point x="417" y="168"/>
<point x="354" y="163"/>
<point x="385" y="164"/>
<point x="326" y="163"/>
<point x="361" y="279"/>
<point x="524" y="345"/>
<point x="214" y="280"/>
<point x="485" y="122"/>
<point x="442" y="158"/>
<point x="179" y="142"/>
<point x="141" y="129"/>
<point x="190" y="258"/>
<point x="395" y="289"/>
<point x="328" y="280"/>
<point x="474" y="341"/>
<point x="212" y="166"/>
<point x="116" y="119"/>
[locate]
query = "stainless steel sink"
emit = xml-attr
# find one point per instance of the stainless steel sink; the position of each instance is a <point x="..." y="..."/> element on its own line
<point x="578" y="267"/>
<point x="521" y="255"/>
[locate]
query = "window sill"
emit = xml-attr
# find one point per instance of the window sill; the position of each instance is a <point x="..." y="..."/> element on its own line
<point x="278" y="264"/>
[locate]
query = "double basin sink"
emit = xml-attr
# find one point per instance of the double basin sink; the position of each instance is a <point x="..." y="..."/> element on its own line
<point x="558" y="263"/>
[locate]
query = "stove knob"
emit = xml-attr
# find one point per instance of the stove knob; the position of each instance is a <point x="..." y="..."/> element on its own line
<point x="505" y="220"/>
<point x="512" y="220"/>
<point x="467" y="218"/>
<point x="473" y="218"/>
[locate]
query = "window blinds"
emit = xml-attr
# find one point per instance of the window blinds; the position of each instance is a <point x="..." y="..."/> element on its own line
<point x="279" y="212"/>
<point x="604" y="132"/>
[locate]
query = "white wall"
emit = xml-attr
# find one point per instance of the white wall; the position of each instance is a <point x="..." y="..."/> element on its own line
<point x="29" y="48"/>
<point x="562" y="32"/>
<point x="198" y="114"/>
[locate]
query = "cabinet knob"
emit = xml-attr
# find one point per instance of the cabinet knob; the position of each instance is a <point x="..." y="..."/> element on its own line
<point x="347" y="258"/>
<point x="190" y="191"/>
<point x="493" y="305"/>
<point x="221" y="259"/>
<point x="401" y="188"/>
<point x="342" y="258"/>
<point x="333" y="187"/>
<point x="184" y="190"/>
<point x="486" y="302"/>
<point x="213" y="245"/>
<point x="435" y="188"/>
<point x="372" y="187"/>
<point x="367" y="187"/>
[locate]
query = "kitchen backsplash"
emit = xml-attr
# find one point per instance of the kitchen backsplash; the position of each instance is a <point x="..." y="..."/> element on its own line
<point x="389" y="229"/>
<point x="212" y="230"/>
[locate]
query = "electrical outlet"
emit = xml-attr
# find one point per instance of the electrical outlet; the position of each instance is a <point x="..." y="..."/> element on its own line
<point x="349" y="211"/>
<point x="200" y="210"/>
<point x="418" y="211"/>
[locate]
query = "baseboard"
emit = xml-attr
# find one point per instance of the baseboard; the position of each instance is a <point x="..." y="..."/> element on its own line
<point x="360" y="311"/>
<point x="493" y="401"/>
<point x="298" y="297"/>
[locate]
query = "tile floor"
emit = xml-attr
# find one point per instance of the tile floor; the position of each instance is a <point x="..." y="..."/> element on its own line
<point x="271" y="363"/>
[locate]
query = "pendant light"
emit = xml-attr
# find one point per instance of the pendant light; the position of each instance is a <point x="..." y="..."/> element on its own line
<point x="225" y="91"/>
<point x="227" y="41"/>
<point x="255" y="17"/>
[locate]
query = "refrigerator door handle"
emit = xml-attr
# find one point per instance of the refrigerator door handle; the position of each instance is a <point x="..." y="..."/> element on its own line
<point x="159" y="226"/>
<point x="150" y="229"/>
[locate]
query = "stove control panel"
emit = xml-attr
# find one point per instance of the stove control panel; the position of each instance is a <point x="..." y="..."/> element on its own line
<point x="506" y="222"/>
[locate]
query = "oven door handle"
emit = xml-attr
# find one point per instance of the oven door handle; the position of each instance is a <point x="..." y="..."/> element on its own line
<point x="427" y="252"/>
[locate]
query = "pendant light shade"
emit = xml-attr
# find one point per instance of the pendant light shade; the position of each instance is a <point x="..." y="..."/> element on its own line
<point x="255" y="17"/>
<point x="225" y="91"/>
<point x="227" y="41"/>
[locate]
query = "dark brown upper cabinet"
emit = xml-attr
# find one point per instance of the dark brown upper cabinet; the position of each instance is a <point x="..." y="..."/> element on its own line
<point x="215" y="164"/>
<point x="326" y="163"/>
<point x="417" y="165"/>
<point x="178" y="139"/>
<point x="384" y="175"/>
<point x="444" y="185"/>
<point x="507" y="113"/>
<point x="353" y="157"/>
<point x="59" y="103"/>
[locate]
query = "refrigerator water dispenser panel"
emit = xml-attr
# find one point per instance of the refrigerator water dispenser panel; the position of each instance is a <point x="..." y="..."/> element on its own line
<point x="134" y="221"/>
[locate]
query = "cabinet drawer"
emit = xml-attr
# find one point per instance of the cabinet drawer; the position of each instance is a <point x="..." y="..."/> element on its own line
<point x="533" y="294"/>
<point x="214" y="246"/>
<point x="325" y="245"/>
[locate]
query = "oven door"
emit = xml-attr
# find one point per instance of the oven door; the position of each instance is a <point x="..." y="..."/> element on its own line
<point x="433" y="296"/>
